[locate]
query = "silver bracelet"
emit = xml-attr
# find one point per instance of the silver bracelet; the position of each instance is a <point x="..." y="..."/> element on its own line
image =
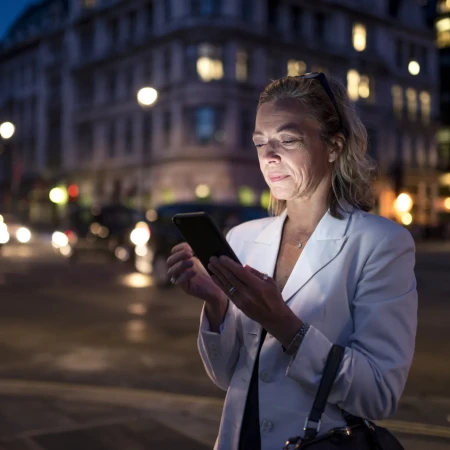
<point x="293" y="347"/>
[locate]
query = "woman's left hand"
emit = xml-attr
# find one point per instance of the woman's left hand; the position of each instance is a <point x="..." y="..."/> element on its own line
<point x="256" y="295"/>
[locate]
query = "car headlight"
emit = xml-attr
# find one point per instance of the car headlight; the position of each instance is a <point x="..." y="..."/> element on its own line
<point x="59" y="239"/>
<point x="23" y="235"/>
<point x="140" y="235"/>
<point x="4" y="235"/>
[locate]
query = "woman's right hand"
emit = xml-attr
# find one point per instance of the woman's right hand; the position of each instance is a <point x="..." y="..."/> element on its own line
<point x="191" y="276"/>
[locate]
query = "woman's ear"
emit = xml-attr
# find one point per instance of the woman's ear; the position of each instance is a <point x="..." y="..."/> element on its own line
<point x="336" y="146"/>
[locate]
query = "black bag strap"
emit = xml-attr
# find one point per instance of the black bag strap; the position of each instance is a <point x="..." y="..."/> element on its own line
<point x="326" y="383"/>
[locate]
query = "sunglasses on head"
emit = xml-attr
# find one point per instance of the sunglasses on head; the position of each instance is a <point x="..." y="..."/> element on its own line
<point x="326" y="86"/>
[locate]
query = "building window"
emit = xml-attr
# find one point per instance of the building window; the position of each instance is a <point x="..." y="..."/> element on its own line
<point x="111" y="139"/>
<point x="242" y="65"/>
<point x="272" y="14"/>
<point x="247" y="128"/>
<point x="425" y="106"/>
<point x="207" y="125"/>
<point x="128" y="136"/>
<point x="411" y="98"/>
<point x="114" y="31"/>
<point x="167" y="10"/>
<point x="111" y="86"/>
<point x="208" y="61"/>
<point x="394" y="7"/>
<point x="372" y="144"/>
<point x="399" y="53"/>
<point x="295" y="68"/>
<point x="129" y="82"/>
<point x="296" y="21"/>
<point x="149" y="16"/>
<point x="205" y="8"/>
<point x="424" y="60"/>
<point x="85" y="140"/>
<point x="167" y="63"/>
<point x="147" y="132"/>
<point x="319" y="26"/>
<point x="358" y="86"/>
<point x="86" y="92"/>
<point x="359" y="37"/>
<point x="247" y="10"/>
<point x="397" y="100"/>
<point x="443" y="32"/>
<point x="86" y="42"/>
<point x="444" y="6"/>
<point x="167" y="128"/>
<point x="148" y="71"/>
<point x="132" y="25"/>
<point x="89" y="3"/>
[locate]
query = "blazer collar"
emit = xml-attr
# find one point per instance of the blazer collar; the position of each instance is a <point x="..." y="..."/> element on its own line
<point x="323" y="246"/>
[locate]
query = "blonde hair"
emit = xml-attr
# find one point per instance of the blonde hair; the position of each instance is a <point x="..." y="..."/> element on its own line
<point x="353" y="171"/>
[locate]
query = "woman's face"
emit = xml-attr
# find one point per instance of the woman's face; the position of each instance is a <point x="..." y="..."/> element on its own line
<point x="292" y="155"/>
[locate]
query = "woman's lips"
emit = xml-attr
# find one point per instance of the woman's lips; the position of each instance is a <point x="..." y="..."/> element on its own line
<point x="277" y="178"/>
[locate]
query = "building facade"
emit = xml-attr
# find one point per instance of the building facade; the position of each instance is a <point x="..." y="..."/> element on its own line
<point x="70" y="71"/>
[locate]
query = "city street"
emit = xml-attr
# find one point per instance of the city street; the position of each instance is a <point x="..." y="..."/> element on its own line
<point x="92" y="349"/>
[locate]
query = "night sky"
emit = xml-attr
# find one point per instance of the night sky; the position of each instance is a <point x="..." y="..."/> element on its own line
<point x="10" y="10"/>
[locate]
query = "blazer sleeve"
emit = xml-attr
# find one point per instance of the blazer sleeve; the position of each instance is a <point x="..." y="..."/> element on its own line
<point x="379" y="354"/>
<point x="220" y="351"/>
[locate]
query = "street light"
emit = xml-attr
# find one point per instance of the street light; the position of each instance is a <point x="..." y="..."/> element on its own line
<point x="7" y="130"/>
<point x="147" y="96"/>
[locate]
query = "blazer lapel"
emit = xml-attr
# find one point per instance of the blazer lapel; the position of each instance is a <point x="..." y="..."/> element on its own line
<point x="324" y="245"/>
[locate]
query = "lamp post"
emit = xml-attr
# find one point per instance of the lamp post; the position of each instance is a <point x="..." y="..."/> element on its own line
<point x="146" y="97"/>
<point x="7" y="130"/>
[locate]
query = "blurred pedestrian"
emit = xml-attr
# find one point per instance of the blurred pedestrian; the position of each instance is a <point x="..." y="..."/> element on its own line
<point x="320" y="271"/>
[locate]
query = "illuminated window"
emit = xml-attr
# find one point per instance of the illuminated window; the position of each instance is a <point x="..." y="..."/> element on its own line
<point x="89" y="3"/>
<point x="411" y="97"/>
<point x="295" y="68"/>
<point x="358" y="86"/>
<point x="397" y="100"/>
<point x="242" y="65"/>
<point x="444" y="6"/>
<point x="425" y="106"/>
<point x="443" y="32"/>
<point x="359" y="37"/>
<point x="207" y="125"/>
<point x="209" y="62"/>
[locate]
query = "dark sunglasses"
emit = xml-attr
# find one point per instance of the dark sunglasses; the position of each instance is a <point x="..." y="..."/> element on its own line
<point x="326" y="86"/>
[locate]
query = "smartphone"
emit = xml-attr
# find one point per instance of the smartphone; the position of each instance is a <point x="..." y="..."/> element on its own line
<point x="204" y="236"/>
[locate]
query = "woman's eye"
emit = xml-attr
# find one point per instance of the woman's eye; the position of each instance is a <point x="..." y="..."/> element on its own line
<point x="259" y="145"/>
<point x="288" y="142"/>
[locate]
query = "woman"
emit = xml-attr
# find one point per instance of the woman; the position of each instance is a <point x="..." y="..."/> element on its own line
<point x="322" y="270"/>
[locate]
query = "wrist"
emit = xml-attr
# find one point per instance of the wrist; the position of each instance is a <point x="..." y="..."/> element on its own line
<point x="286" y="328"/>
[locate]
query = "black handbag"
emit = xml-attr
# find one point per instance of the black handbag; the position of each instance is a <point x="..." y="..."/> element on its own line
<point x="359" y="434"/>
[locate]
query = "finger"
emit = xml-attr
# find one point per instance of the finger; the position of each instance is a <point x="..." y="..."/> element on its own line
<point x="186" y="276"/>
<point x="221" y="280"/>
<point x="242" y="274"/>
<point x="180" y="247"/>
<point x="179" y="268"/>
<point x="179" y="256"/>
<point x="260" y="275"/>
<point x="232" y="279"/>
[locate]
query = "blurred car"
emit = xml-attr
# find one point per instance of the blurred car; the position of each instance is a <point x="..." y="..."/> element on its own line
<point x="114" y="230"/>
<point x="13" y="230"/>
<point x="152" y="257"/>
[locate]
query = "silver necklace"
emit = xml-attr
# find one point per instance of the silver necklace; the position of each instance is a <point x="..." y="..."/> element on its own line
<point x="300" y="244"/>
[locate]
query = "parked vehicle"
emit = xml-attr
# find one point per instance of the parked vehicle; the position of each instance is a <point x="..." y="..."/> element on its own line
<point x="114" y="230"/>
<point x="152" y="258"/>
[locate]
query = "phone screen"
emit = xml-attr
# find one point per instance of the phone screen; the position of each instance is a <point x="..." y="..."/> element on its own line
<point x="204" y="237"/>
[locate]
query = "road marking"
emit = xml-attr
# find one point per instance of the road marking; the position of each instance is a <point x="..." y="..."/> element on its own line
<point x="139" y="398"/>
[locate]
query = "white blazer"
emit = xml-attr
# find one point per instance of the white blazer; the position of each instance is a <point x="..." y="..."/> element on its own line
<point x="354" y="284"/>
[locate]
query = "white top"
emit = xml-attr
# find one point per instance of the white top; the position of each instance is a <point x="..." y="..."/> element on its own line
<point x="354" y="284"/>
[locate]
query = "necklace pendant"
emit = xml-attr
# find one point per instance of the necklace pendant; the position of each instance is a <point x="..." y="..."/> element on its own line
<point x="300" y="245"/>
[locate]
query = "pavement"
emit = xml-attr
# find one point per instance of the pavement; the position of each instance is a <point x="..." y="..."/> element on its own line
<point x="92" y="358"/>
<point x="61" y="416"/>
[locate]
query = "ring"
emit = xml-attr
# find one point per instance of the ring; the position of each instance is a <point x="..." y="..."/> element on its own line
<point x="265" y="276"/>
<point x="232" y="290"/>
<point x="173" y="280"/>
